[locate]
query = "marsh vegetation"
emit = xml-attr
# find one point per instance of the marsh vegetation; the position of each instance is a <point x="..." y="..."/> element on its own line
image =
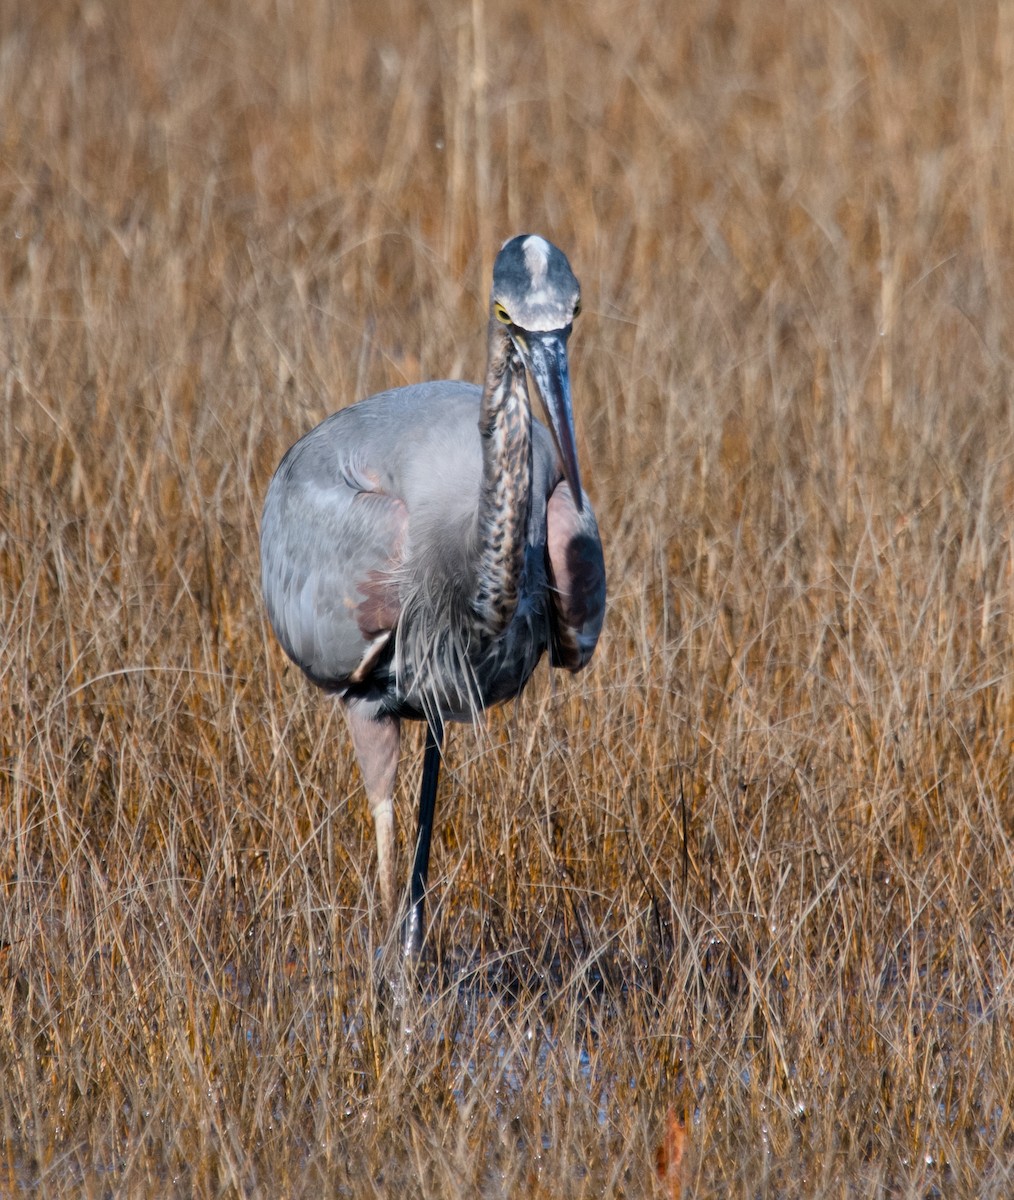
<point x="754" y="866"/>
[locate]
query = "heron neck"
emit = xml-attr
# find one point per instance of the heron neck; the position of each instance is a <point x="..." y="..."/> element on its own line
<point x="505" y="426"/>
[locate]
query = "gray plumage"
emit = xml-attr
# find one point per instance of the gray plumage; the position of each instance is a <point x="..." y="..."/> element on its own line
<point x="421" y="549"/>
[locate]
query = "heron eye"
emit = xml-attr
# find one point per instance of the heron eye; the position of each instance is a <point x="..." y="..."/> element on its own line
<point x="501" y="314"/>
<point x="577" y="308"/>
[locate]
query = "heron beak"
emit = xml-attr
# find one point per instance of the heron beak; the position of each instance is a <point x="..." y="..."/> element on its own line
<point x="545" y="356"/>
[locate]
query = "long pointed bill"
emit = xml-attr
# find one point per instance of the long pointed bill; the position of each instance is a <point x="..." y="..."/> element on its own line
<point x="545" y="356"/>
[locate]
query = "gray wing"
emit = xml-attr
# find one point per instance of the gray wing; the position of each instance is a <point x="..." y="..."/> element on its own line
<point x="344" y="506"/>
<point x="577" y="576"/>
<point x="331" y="540"/>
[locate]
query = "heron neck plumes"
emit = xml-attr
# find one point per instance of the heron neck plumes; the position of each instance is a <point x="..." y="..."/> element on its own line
<point x="505" y="425"/>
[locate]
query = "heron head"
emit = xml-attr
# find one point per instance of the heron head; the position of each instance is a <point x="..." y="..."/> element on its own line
<point x="536" y="298"/>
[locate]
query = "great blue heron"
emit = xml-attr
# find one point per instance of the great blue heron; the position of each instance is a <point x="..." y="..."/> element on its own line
<point x="422" y="548"/>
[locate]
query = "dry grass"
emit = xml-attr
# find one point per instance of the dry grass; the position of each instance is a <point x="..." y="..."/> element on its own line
<point x="755" y="865"/>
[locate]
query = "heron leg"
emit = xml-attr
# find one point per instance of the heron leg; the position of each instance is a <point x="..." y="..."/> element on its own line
<point x="376" y="740"/>
<point x="412" y="934"/>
